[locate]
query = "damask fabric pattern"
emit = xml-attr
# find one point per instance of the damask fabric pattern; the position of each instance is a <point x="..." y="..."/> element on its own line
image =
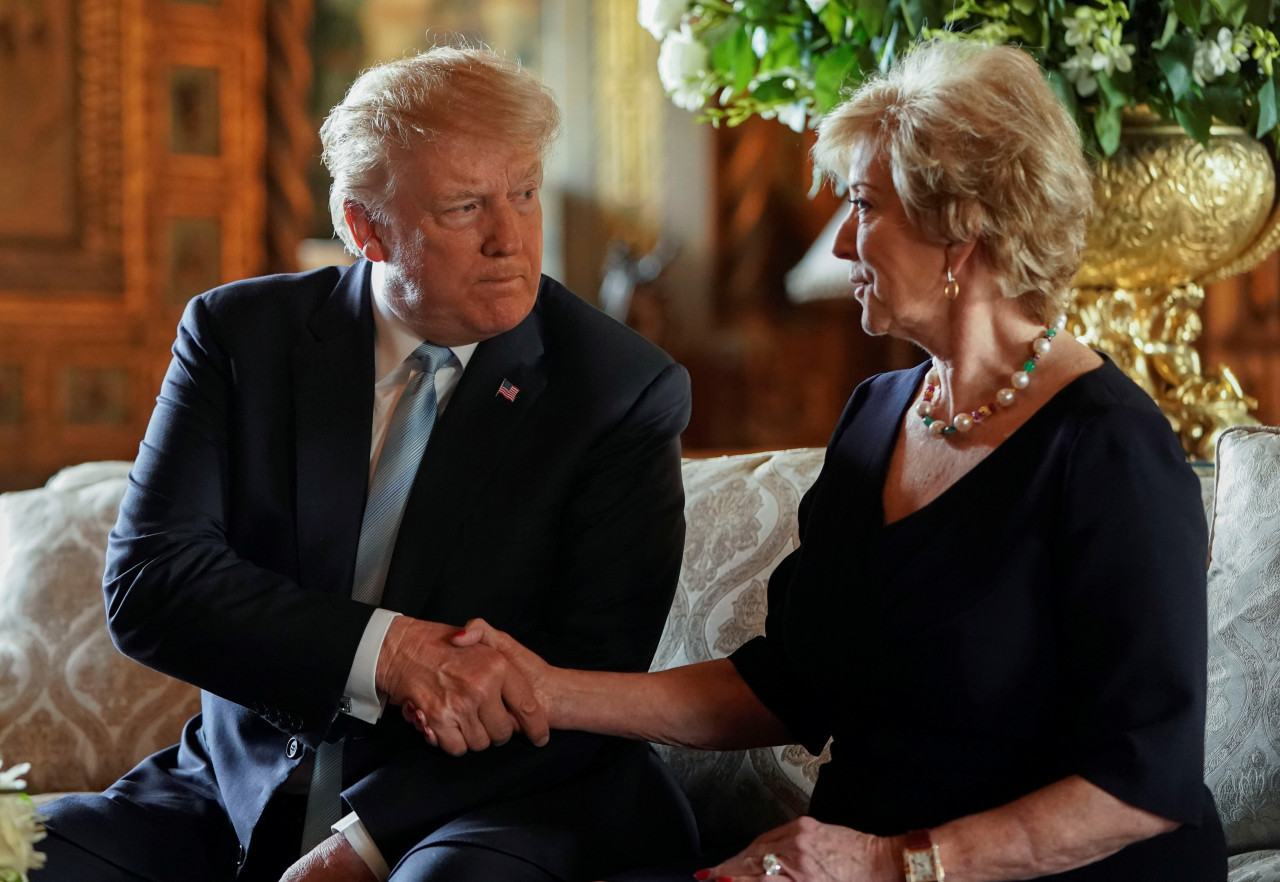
<point x="1242" y="744"/>
<point x="70" y="704"/>
<point x="740" y="513"/>
<point x="1255" y="866"/>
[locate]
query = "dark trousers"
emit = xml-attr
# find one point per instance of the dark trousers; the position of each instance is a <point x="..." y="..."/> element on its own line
<point x="628" y="812"/>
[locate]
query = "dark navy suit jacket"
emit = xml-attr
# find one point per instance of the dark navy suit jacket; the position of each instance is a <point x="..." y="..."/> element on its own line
<point x="557" y="516"/>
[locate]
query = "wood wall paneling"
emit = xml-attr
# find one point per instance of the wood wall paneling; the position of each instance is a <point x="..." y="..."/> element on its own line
<point x="139" y="164"/>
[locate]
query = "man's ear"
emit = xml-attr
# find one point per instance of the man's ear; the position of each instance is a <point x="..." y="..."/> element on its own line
<point x="364" y="231"/>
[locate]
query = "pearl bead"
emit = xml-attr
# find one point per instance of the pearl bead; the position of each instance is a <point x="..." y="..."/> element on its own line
<point x="1042" y="345"/>
<point x="937" y="426"/>
<point x="963" y="422"/>
<point x="1005" y="397"/>
<point x="1060" y="323"/>
<point x="1020" y="380"/>
<point x="924" y="409"/>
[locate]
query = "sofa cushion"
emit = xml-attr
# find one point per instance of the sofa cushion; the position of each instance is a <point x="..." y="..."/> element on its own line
<point x="70" y="704"/>
<point x="741" y="516"/>
<point x="1242" y="744"/>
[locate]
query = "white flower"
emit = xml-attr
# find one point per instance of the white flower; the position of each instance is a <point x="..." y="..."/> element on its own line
<point x="1079" y="69"/>
<point x="817" y="5"/>
<point x="1080" y="30"/>
<point x="794" y="115"/>
<point x="11" y="779"/>
<point x="1110" y="55"/>
<point x="20" y="830"/>
<point x="682" y="67"/>
<point x="1215" y="57"/>
<point x="661" y="17"/>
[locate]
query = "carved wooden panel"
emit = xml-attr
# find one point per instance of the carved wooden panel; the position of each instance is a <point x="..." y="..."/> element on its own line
<point x="138" y="164"/>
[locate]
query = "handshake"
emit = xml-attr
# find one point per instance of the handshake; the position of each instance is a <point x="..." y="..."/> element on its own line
<point x="464" y="690"/>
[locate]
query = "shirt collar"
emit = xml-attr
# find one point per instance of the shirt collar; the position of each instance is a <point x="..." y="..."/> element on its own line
<point x="394" y="340"/>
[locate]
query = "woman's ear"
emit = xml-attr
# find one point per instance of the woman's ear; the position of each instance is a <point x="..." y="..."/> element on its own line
<point x="959" y="253"/>
<point x="364" y="231"/>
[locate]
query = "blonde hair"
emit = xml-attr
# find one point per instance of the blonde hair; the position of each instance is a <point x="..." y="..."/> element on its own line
<point x="393" y="108"/>
<point x="981" y="150"/>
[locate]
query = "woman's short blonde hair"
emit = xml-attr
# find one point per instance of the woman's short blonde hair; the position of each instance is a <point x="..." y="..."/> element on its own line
<point x="980" y="150"/>
<point x="395" y="108"/>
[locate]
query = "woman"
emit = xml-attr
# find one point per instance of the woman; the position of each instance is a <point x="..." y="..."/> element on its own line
<point x="998" y="605"/>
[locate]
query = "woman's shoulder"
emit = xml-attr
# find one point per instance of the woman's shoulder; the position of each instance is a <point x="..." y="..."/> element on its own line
<point x="1108" y="425"/>
<point x="881" y="397"/>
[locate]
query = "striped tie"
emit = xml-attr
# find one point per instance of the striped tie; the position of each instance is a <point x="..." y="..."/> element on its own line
<point x="402" y="449"/>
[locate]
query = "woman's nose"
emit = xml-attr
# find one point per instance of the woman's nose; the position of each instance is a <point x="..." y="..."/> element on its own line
<point x="846" y="244"/>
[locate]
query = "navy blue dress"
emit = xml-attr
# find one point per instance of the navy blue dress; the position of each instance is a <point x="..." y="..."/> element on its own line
<point x="1043" y="617"/>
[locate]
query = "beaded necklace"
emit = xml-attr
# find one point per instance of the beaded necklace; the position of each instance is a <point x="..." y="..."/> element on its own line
<point x="1020" y="379"/>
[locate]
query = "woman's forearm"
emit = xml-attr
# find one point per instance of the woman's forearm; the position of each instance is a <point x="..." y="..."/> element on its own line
<point x="1066" y="825"/>
<point x="706" y="705"/>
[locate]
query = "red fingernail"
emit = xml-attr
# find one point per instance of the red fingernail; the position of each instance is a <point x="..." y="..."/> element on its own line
<point x="702" y="875"/>
<point x="459" y="634"/>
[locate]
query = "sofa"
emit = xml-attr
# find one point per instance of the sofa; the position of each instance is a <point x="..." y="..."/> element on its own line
<point x="82" y="714"/>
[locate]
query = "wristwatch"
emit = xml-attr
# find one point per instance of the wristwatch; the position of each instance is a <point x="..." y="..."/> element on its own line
<point x="920" y="858"/>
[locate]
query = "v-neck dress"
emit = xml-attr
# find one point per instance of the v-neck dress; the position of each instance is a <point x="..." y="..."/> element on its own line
<point x="1044" y="617"/>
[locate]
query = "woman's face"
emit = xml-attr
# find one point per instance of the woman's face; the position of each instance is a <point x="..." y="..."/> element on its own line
<point x="898" y="274"/>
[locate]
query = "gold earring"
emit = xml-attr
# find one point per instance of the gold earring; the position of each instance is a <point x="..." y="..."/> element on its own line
<point x="951" y="290"/>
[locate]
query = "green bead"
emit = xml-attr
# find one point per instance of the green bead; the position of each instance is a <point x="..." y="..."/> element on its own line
<point x="949" y="430"/>
<point x="928" y="420"/>
<point x="1051" y="333"/>
<point x="1029" y="366"/>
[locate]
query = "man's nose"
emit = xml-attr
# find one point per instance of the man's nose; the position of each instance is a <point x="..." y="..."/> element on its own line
<point x="503" y="235"/>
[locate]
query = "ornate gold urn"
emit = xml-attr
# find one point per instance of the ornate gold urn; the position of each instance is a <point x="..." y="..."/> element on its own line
<point x="1171" y="216"/>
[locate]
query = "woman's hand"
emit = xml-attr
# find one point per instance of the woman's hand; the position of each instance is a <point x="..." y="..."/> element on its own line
<point x="810" y="851"/>
<point x="527" y="663"/>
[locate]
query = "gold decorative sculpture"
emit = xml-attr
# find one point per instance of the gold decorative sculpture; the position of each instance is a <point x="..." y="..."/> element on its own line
<point x="1171" y="216"/>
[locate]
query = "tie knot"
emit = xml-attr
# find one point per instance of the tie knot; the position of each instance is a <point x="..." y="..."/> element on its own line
<point x="430" y="358"/>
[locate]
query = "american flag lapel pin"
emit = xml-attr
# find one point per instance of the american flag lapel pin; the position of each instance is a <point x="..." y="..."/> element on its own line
<point x="508" y="391"/>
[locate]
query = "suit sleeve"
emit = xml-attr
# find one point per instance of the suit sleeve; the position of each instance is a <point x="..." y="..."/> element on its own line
<point x="179" y="597"/>
<point x="622" y="538"/>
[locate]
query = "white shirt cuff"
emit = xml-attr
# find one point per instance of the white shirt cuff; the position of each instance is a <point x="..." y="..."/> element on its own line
<point x="360" y="698"/>
<point x="358" y="837"/>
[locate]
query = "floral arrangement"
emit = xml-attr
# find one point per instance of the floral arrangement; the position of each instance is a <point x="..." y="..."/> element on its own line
<point x="1188" y="61"/>
<point x="20" y="827"/>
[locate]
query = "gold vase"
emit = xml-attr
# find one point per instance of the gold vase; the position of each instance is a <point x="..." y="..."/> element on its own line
<point x="1170" y="216"/>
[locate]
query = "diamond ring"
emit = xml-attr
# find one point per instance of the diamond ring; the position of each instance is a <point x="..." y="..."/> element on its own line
<point x="772" y="866"/>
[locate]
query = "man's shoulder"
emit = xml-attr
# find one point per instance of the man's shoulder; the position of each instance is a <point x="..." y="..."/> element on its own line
<point x="574" y="330"/>
<point x="281" y="292"/>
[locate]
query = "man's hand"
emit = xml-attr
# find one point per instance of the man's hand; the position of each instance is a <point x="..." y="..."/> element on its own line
<point x="333" y="860"/>
<point x="466" y="698"/>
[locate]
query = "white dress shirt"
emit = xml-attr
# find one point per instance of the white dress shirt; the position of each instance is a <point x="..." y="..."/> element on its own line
<point x="394" y="341"/>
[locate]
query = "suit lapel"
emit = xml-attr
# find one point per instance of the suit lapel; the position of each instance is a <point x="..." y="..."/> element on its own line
<point x="466" y="445"/>
<point x="333" y="381"/>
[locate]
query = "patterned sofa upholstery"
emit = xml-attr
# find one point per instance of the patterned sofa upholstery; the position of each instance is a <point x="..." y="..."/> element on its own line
<point x="82" y="714"/>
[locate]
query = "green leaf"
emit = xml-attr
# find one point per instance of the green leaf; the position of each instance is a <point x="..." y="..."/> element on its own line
<point x="1188" y="12"/>
<point x="1231" y="11"/>
<point x="1176" y="70"/>
<point x="1226" y="103"/>
<point x="1195" y="119"/>
<point x="1106" y="124"/>
<point x="1066" y="92"/>
<point x="1170" y="27"/>
<point x="829" y="77"/>
<point x="871" y="14"/>
<point x="1266" y="108"/>
<point x="783" y="50"/>
<point x="1114" y="97"/>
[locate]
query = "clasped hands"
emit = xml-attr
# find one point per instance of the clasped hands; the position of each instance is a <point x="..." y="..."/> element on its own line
<point x="457" y="688"/>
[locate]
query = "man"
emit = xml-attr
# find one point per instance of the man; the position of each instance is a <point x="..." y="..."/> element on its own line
<point x="286" y="545"/>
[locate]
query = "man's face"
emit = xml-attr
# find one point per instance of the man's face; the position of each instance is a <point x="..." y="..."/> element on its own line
<point x="463" y="245"/>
